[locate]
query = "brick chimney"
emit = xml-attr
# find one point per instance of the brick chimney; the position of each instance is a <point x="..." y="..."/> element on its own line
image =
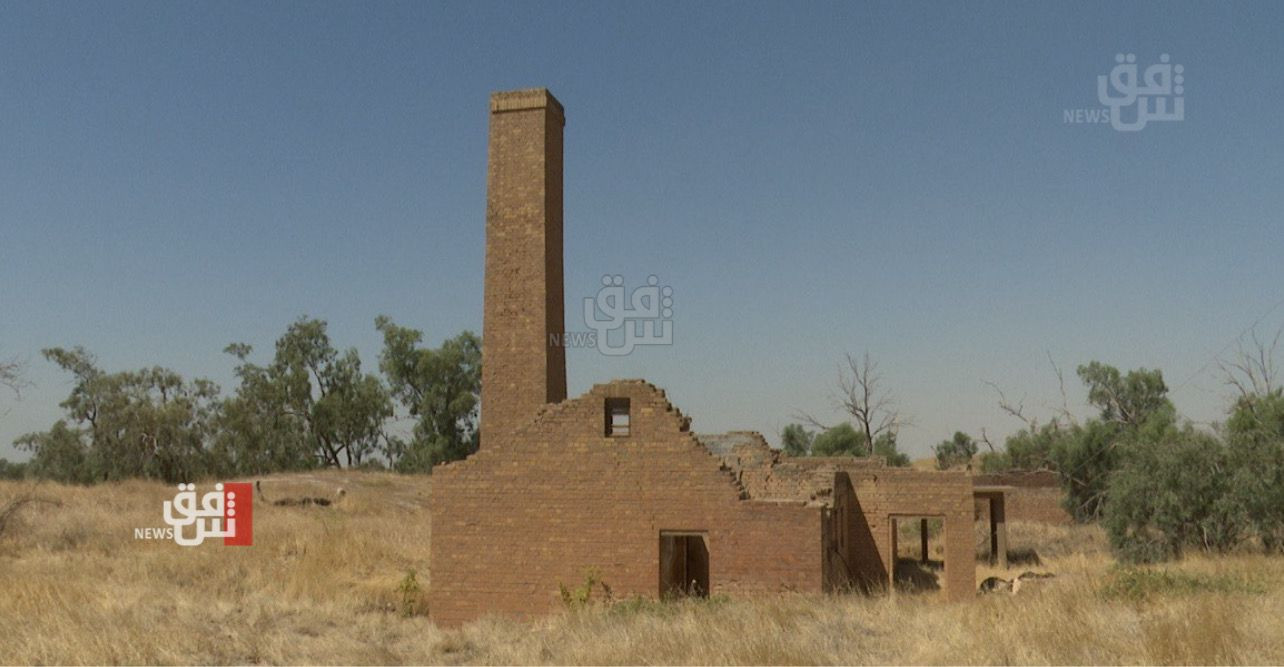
<point x="522" y="368"/>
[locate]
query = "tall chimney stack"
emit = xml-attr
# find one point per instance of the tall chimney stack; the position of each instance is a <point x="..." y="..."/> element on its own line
<point x="523" y="360"/>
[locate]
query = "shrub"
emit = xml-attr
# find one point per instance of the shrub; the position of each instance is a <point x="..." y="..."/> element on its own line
<point x="885" y="446"/>
<point x="1171" y="494"/>
<point x="956" y="451"/>
<point x="841" y="440"/>
<point x="409" y="590"/>
<point x="796" y="440"/>
<point x="1255" y="443"/>
<point x="581" y="596"/>
<point x="1031" y="449"/>
<point x="1086" y="456"/>
<point x="990" y="462"/>
<point x="11" y="470"/>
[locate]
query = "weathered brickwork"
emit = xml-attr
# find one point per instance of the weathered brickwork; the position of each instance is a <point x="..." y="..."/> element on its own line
<point x="521" y="370"/>
<point x="863" y="494"/>
<point x="557" y="497"/>
<point x="1034" y="496"/>
<point x="561" y="488"/>
<point x="881" y="495"/>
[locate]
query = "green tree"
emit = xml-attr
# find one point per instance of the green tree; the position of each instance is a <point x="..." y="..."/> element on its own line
<point x="60" y="454"/>
<point x="1031" y="448"/>
<point x="1255" y="443"/>
<point x="991" y="462"/>
<point x="148" y="423"/>
<point x="1178" y="489"/>
<point x="1254" y="433"/>
<point x="955" y="452"/>
<point x="840" y="440"/>
<point x="313" y="396"/>
<point x="1134" y="409"/>
<point x="441" y="388"/>
<point x="1130" y="399"/>
<point x="796" y="440"/>
<point x="258" y="430"/>
<point x="1085" y="458"/>
<point x="12" y="470"/>
<point x="1171" y="493"/>
<point x="885" y="446"/>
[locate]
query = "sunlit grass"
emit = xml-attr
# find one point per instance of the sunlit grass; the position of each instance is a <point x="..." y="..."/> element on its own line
<point x="332" y="585"/>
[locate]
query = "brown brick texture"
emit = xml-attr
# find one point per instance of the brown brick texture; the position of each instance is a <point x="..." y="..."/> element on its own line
<point x="557" y="497"/>
<point x="880" y="495"/>
<point x="1034" y="497"/>
<point x="552" y="495"/>
<point x="863" y="495"/>
<point x="521" y="370"/>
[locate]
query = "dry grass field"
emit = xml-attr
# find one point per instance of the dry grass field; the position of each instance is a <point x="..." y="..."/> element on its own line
<point x="331" y="585"/>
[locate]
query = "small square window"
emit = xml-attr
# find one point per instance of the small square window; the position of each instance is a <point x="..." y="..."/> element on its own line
<point x="617" y="417"/>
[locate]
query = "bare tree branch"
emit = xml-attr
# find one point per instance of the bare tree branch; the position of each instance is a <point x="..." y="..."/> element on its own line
<point x="1017" y="410"/>
<point x="861" y="395"/>
<point x="986" y="439"/>
<point x="13" y="376"/>
<point x="1061" y="385"/>
<point x="1252" y="371"/>
<point x="810" y="420"/>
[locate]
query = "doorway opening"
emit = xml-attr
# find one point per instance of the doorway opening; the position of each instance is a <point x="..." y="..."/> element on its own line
<point x="915" y="539"/>
<point x="684" y="564"/>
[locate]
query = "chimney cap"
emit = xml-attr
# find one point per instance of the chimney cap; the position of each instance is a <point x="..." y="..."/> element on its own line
<point x="526" y="98"/>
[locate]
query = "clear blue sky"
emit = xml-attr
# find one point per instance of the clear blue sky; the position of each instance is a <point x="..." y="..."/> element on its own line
<point x="811" y="179"/>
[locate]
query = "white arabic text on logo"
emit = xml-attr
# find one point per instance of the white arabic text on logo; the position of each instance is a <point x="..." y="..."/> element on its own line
<point x="648" y="308"/>
<point x="1159" y="84"/>
<point x="207" y="519"/>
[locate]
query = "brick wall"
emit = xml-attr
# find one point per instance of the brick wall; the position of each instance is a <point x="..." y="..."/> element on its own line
<point x="881" y="494"/>
<point x="552" y="496"/>
<point x="523" y="287"/>
<point x="542" y="505"/>
<point x="1034" y="496"/>
<point x="862" y="494"/>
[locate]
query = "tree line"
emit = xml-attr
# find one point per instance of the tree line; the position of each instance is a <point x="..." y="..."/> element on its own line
<point x="311" y="406"/>
<point x="1159" y="485"/>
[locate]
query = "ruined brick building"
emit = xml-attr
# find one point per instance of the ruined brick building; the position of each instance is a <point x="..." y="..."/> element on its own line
<point x="615" y="481"/>
<point x="1032" y="496"/>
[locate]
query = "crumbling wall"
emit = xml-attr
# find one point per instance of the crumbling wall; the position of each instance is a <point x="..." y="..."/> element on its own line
<point x="860" y="496"/>
<point x="745" y="454"/>
<point x="810" y="478"/>
<point x="769" y="474"/>
<point x="881" y="494"/>
<point x="558" y="497"/>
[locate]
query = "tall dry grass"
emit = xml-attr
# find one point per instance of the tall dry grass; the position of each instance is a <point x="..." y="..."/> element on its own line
<point x="328" y="585"/>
